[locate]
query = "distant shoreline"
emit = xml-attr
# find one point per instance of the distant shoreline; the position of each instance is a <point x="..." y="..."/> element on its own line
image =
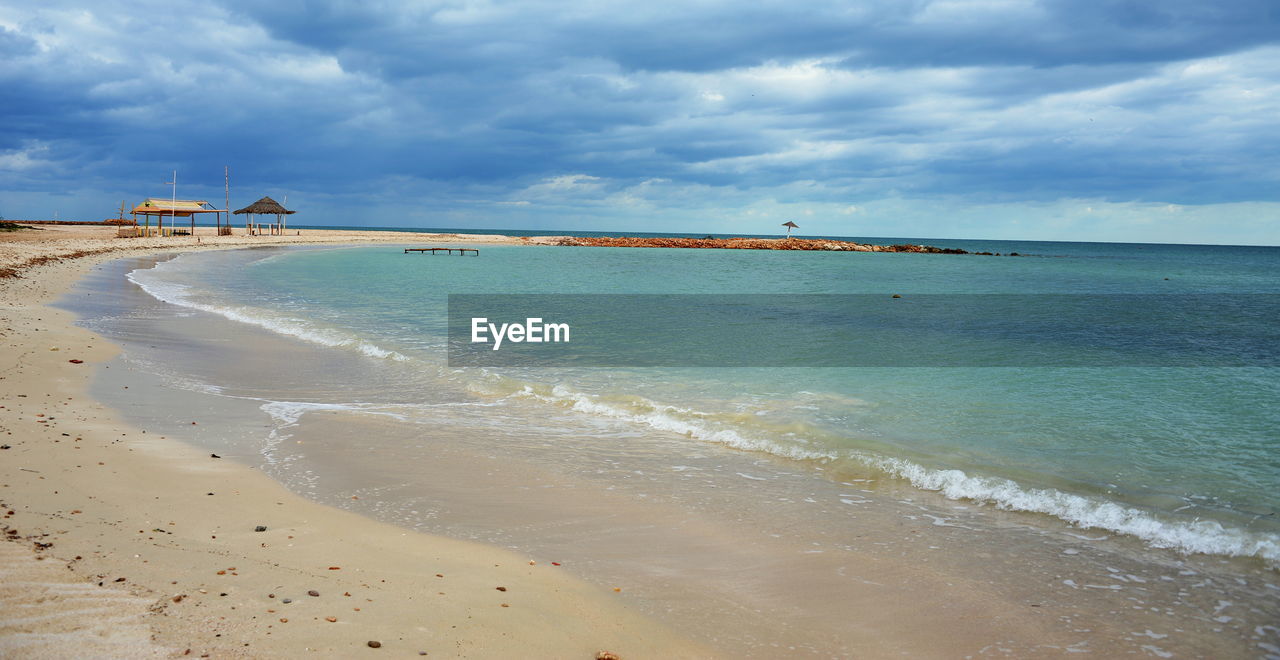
<point x="809" y="244"/>
<point x="64" y="240"/>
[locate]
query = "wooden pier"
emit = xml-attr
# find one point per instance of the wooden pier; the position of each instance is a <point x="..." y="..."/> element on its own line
<point x="433" y="250"/>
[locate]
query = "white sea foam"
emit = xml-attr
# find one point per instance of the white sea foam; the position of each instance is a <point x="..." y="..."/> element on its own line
<point x="288" y="413"/>
<point x="663" y="418"/>
<point x="174" y="380"/>
<point x="1200" y="536"/>
<point x="180" y="295"/>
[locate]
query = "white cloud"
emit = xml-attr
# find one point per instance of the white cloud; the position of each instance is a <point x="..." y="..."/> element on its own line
<point x="27" y="158"/>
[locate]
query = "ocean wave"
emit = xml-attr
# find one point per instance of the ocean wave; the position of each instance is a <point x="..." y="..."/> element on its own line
<point x="670" y="419"/>
<point x="180" y="295"/>
<point x="288" y="413"/>
<point x="1197" y="536"/>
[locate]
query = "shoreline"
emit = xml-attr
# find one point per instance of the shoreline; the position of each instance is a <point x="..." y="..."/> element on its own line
<point x="800" y="244"/>
<point x="904" y="572"/>
<point x="100" y="501"/>
<point x="736" y="243"/>
<point x="21" y="250"/>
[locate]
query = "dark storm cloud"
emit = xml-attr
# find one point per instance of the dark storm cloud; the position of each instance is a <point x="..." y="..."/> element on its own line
<point x="706" y="105"/>
<point x="406" y="39"/>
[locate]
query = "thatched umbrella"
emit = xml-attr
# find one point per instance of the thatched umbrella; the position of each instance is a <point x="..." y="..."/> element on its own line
<point x="788" y="224"/>
<point x="267" y="206"/>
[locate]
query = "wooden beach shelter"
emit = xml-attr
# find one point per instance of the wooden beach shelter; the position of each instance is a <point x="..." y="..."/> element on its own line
<point x="790" y="225"/>
<point x="265" y="206"/>
<point x="172" y="209"/>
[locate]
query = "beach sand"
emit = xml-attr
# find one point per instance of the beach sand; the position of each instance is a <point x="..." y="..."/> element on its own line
<point x="127" y="544"/>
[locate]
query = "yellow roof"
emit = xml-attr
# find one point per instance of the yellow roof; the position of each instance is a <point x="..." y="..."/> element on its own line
<point x="154" y="206"/>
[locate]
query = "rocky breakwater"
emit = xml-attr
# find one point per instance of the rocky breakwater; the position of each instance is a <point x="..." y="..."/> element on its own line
<point x="752" y="244"/>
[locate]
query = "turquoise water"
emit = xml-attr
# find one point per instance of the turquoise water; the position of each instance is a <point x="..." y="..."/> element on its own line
<point x="1182" y="457"/>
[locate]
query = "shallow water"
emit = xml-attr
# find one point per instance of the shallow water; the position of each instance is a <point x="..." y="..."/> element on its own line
<point x="1182" y="457"/>
<point x="841" y="464"/>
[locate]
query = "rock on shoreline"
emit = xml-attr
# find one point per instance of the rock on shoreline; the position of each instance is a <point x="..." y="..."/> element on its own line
<point x="751" y="244"/>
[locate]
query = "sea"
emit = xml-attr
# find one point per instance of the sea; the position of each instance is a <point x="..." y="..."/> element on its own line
<point x="335" y="363"/>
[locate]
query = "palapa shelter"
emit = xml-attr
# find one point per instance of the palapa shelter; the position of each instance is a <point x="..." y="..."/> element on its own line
<point x="790" y="225"/>
<point x="173" y="209"/>
<point x="265" y="206"/>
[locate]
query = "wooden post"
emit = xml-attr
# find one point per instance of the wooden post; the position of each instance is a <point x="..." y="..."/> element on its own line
<point x="173" y="211"/>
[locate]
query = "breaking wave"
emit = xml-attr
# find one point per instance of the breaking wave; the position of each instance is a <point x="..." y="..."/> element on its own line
<point x="179" y="294"/>
<point x="1197" y="536"/>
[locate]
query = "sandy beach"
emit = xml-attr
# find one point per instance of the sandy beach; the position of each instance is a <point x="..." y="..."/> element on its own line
<point x="129" y="544"/>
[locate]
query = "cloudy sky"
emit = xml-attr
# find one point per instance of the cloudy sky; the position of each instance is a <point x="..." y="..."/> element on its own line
<point x="1024" y="119"/>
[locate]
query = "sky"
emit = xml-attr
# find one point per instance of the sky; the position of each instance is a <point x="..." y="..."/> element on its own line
<point x="1105" y="120"/>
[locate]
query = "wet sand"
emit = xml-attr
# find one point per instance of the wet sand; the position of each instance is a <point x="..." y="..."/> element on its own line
<point x="123" y="543"/>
